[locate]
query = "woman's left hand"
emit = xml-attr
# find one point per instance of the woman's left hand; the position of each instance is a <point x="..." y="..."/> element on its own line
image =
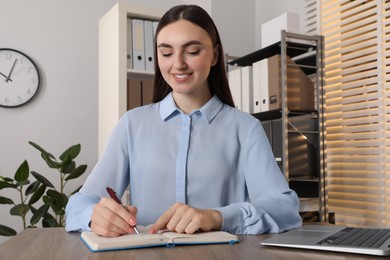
<point x="182" y="218"/>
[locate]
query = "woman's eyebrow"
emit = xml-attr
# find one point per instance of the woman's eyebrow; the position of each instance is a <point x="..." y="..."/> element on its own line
<point x="165" y="45"/>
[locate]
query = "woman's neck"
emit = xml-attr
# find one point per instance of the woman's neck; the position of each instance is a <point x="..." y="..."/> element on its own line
<point x="189" y="103"/>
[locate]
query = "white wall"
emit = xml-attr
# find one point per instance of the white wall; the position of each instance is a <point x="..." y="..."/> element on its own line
<point x="235" y="21"/>
<point x="62" y="38"/>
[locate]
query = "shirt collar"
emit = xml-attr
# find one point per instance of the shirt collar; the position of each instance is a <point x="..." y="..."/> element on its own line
<point x="168" y="108"/>
<point x="211" y="108"/>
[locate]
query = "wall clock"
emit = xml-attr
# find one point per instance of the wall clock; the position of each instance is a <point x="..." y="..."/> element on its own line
<point x="19" y="78"/>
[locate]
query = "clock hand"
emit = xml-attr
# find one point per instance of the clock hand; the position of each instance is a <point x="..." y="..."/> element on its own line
<point x="5" y="76"/>
<point x="9" y="75"/>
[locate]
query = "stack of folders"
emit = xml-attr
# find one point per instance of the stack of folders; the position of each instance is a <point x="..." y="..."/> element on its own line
<point x="257" y="88"/>
<point x="140" y="42"/>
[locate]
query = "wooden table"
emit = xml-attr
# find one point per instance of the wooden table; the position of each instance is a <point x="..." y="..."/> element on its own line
<point x="56" y="243"/>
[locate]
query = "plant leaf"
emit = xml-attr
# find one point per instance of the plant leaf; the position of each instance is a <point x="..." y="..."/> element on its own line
<point x="37" y="194"/>
<point x="51" y="163"/>
<point x="32" y="188"/>
<point x="19" y="210"/>
<point x="22" y="183"/>
<point x="22" y="172"/>
<point x="7" y="231"/>
<point x="42" y="179"/>
<point x="77" y="172"/>
<point x="6" y="179"/>
<point x="41" y="150"/>
<point x="46" y="199"/>
<point x="33" y="210"/>
<point x="49" y="222"/>
<point x="4" y="200"/>
<point x="58" y="201"/>
<point x="68" y="167"/>
<point x="38" y="214"/>
<point x="72" y="152"/>
<point x="4" y="184"/>
<point x="48" y="216"/>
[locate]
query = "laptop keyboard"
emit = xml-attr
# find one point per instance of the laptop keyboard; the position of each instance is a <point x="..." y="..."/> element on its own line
<point x="357" y="237"/>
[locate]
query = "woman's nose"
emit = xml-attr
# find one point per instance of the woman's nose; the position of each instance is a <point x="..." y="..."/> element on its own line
<point x="179" y="62"/>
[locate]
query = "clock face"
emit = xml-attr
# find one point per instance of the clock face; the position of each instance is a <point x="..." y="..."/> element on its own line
<point x="19" y="78"/>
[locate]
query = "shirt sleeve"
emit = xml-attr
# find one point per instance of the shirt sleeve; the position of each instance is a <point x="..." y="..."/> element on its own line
<point x="112" y="170"/>
<point x="272" y="207"/>
<point x="79" y="211"/>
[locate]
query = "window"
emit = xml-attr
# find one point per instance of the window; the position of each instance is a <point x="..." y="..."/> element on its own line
<point x="357" y="67"/>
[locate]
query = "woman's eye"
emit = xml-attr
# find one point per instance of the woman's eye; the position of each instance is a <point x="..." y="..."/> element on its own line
<point x="166" y="54"/>
<point x="193" y="52"/>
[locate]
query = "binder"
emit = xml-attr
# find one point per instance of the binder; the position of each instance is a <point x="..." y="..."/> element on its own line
<point x="264" y="85"/>
<point x="235" y="87"/>
<point x="129" y="53"/>
<point x="256" y="99"/>
<point x="246" y="87"/>
<point x="138" y="44"/>
<point x="149" y="54"/>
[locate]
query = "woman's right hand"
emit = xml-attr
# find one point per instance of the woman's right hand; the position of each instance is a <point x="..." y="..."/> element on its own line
<point x="110" y="219"/>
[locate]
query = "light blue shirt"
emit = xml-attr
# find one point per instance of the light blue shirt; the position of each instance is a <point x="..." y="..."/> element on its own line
<point x="216" y="157"/>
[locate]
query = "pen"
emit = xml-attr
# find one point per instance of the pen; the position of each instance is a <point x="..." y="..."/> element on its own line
<point x="113" y="196"/>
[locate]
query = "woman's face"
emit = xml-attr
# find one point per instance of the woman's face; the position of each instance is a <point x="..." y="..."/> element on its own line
<point x="185" y="54"/>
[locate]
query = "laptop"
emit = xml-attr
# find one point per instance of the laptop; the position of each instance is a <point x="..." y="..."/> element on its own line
<point x="370" y="241"/>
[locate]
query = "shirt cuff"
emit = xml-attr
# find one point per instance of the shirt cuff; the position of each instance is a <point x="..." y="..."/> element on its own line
<point x="229" y="219"/>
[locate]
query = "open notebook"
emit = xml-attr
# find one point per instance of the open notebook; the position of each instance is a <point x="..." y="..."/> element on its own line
<point x="97" y="243"/>
<point x="371" y="241"/>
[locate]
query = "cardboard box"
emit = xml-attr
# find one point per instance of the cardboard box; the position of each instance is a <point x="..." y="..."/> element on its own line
<point x="300" y="89"/>
<point x="271" y="30"/>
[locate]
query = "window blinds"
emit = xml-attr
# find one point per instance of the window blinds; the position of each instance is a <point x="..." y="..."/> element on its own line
<point x="357" y="75"/>
<point x="311" y="17"/>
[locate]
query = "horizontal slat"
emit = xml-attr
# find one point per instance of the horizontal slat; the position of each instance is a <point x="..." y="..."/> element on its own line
<point x="354" y="181"/>
<point x="357" y="143"/>
<point x="361" y="194"/>
<point x="364" y="37"/>
<point x="338" y="129"/>
<point x="367" y="97"/>
<point x="372" y="42"/>
<point x="357" y="166"/>
<point x="359" y="57"/>
<point x="354" y="88"/>
<point x="353" y="203"/>
<point x="354" y="7"/>
<point x="358" y="83"/>
<point x="358" y="76"/>
<point x="338" y="122"/>
<point x="355" y="173"/>
<point x="360" y="67"/>
<point x="351" y="136"/>
<point x="354" y="28"/>
<point x="356" y="153"/>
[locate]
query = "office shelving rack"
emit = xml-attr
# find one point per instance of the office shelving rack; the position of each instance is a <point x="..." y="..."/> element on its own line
<point x="289" y="131"/>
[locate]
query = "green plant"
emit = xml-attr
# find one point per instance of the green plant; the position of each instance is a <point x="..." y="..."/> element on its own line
<point x="54" y="200"/>
<point x="18" y="183"/>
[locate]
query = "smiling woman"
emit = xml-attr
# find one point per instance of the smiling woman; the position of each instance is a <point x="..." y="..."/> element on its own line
<point x="184" y="174"/>
<point x="21" y="78"/>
